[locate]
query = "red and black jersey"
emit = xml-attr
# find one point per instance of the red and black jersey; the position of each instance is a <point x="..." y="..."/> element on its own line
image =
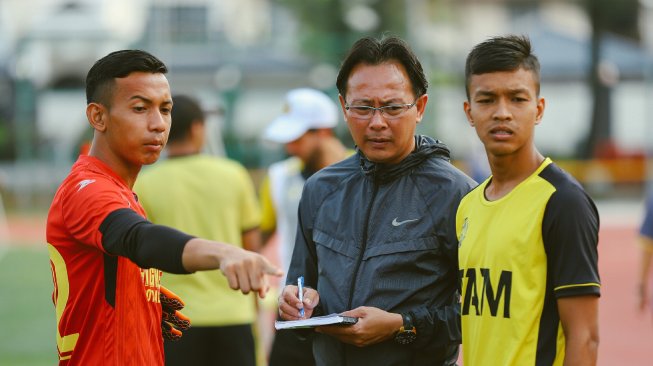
<point x="107" y="308"/>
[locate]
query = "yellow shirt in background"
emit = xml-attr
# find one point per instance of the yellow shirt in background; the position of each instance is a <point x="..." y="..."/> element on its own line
<point x="211" y="198"/>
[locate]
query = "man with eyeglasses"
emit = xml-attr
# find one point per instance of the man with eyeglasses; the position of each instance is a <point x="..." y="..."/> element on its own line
<point x="376" y="238"/>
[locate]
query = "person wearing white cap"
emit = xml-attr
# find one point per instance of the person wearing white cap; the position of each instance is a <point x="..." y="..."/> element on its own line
<point x="306" y="109"/>
<point x="306" y="130"/>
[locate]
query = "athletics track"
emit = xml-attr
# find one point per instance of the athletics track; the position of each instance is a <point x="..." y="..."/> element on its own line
<point x="626" y="334"/>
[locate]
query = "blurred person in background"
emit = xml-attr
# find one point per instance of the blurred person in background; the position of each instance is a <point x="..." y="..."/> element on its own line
<point x="528" y="234"/>
<point x="210" y="197"/>
<point x="106" y="257"/>
<point x="306" y="131"/>
<point x="645" y="241"/>
<point x="376" y="235"/>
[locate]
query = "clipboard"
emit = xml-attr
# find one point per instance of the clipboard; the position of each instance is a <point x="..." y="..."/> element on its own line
<point x="316" y="321"/>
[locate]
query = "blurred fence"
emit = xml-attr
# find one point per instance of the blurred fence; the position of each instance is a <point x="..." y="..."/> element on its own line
<point x="29" y="187"/>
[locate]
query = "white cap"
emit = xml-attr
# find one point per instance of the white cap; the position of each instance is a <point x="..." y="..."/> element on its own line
<point x="305" y="109"/>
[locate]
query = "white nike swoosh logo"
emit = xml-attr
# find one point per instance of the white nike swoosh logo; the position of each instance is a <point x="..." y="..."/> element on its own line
<point x="398" y="223"/>
<point x="84" y="183"/>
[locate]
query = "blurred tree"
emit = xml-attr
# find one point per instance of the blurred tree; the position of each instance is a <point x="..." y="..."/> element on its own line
<point x="329" y="27"/>
<point x="606" y="17"/>
<point x="7" y="134"/>
<point x="619" y="17"/>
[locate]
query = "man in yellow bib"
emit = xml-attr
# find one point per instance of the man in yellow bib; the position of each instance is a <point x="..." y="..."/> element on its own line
<point x="215" y="198"/>
<point x="528" y="234"/>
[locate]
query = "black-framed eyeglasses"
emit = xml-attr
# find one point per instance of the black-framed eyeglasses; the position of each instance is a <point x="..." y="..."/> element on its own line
<point x="390" y="111"/>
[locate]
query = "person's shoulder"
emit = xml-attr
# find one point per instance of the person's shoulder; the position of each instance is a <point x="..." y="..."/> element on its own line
<point x="568" y="196"/>
<point x="232" y="173"/>
<point x="150" y="170"/>
<point x="291" y="163"/>
<point x="649" y="203"/>
<point x="336" y="174"/>
<point x="330" y="180"/>
<point x="346" y="167"/>
<point x="564" y="183"/>
<point x="84" y="172"/>
<point x="85" y="184"/>
<point x="440" y="169"/>
<point x="150" y="175"/>
<point x="195" y="162"/>
<point x="224" y="162"/>
<point x="476" y="191"/>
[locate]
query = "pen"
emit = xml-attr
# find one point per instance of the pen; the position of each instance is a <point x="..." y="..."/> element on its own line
<point x="300" y="286"/>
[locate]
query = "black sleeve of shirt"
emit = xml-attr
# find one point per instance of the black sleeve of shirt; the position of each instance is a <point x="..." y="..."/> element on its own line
<point x="570" y="232"/>
<point x="126" y="233"/>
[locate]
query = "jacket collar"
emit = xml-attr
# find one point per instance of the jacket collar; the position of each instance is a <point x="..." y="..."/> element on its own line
<point x="425" y="147"/>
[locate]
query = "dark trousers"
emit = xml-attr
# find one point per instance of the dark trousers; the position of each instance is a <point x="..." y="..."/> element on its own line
<point x="227" y="346"/>
<point x="291" y="348"/>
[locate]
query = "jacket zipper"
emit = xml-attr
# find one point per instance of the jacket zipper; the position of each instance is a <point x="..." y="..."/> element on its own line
<point x="363" y="243"/>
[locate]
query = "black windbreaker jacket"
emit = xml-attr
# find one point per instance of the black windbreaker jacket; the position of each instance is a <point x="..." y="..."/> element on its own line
<point x="384" y="236"/>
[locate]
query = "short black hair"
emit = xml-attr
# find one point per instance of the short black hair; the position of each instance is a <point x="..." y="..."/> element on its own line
<point x="118" y="64"/>
<point x="502" y="53"/>
<point x="373" y="51"/>
<point x="185" y="112"/>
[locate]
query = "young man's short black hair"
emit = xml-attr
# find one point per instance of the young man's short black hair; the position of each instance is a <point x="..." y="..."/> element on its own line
<point x="503" y="53"/>
<point x="372" y="51"/>
<point x="185" y="112"/>
<point x="118" y="64"/>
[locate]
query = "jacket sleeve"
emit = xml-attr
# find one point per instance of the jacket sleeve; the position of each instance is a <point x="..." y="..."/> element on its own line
<point x="437" y="326"/>
<point x="304" y="262"/>
<point x="304" y="256"/>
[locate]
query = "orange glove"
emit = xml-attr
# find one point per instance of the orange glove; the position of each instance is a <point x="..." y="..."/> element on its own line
<point x="172" y="322"/>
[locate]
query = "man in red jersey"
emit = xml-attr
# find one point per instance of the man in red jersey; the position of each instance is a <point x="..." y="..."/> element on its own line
<point x="106" y="258"/>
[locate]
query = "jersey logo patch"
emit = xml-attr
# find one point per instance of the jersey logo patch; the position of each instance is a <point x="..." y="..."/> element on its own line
<point x="84" y="183"/>
<point x="399" y="223"/>
<point x="463" y="231"/>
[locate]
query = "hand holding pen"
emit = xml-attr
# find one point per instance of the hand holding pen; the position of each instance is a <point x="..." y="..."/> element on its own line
<point x="295" y="304"/>
<point x="300" y="294"/>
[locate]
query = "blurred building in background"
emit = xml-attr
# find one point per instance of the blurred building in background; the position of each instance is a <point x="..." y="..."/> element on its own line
<point x="47" y="48"/>
<point x="239" y="57"/>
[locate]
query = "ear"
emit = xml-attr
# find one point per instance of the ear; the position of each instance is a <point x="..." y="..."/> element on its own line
<point x="342" y="106"/>
<point x="97" y="116"/>
<point x="468" y="112"/>
<point x="420" y="104"/>
<point x="197" y="132"/>
<point x="541" y="103"/>
<point x="324" y="132"/>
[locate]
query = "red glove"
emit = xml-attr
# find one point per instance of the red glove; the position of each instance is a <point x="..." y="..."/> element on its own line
<point x="172" y="322"/>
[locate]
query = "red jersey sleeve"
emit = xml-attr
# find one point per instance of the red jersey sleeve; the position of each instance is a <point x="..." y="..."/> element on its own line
<point x="87" y="202"/>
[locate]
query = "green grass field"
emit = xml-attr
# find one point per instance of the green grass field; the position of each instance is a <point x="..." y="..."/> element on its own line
<point x="26" y="311"/>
